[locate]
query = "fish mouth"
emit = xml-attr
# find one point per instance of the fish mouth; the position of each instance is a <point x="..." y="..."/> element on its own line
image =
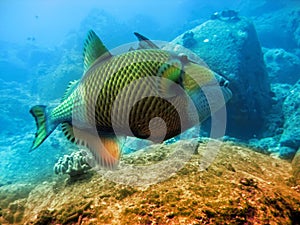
<point x="227" y="93"/>
<point x="223" y="82"/>
<point x="224" y="85"/>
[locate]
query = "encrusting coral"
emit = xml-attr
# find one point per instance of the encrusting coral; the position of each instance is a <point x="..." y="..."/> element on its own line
<point x="74" y="165"/>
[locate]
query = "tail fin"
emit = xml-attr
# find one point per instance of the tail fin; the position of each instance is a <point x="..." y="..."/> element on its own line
<point x="44" y="127"/>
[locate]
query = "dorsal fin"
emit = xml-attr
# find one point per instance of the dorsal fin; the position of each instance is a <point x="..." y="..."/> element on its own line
<point x="93" y="49"/>
<point x="145" y="43"/>
<point x="71" y="86"/>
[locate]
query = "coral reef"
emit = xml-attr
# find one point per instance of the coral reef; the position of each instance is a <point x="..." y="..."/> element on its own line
<point x="239" y="186"/>
<point x="290" y="137"/>
<point x="232" y="49"/>
<point x="273" y="127"/>
<point x="294" y="24"/>
<point x="188" y="40"/>
<point x="12" y="201"/>
<point x="225" y="15"/>
<point x="76" y="164"/>
<point x="285" y="18"/>
<point x="282" y="66"/>
<point x="58" y="75"/>
<point x="282" y="127"/>
<point x="296" y="168"/>
<point x="268" y="145"/>
<point x="275" y="119"/>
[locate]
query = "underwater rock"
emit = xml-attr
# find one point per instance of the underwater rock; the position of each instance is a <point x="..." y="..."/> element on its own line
<point x="258" y="7"/>
<point x="284" y="19"/>
<point x="282" y="125"/>
<point x="268" y="145"/>
<point x="275" y="119"/>
<point x="12" y="201"/>
<point x="15" y="211"/>
<point x="225" y="15"/>
<point x="231" y="48"/>
<point x="55" y="78"/>
<point x="113" y="32"/>
<point x="291" y="111"/>
<point x="239" y="186"/>
<point x="74" y="165"/>
<point x="281" y="128"/>
<point x="296" y="166"/>
<point x="12" y="192"/>
<point x="286" y="152"/>
<point x="282" y="66"/>
<point x="188" y="40"/>
<point x="133" y="144"/>
<point x="293" y="24"/>
<point x="19" y="62"/>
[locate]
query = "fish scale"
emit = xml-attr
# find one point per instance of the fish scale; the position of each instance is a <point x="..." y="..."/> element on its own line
<point x="113" y="85"/>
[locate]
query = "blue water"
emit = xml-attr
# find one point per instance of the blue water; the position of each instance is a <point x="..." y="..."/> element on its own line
<point x="41" y="46"/>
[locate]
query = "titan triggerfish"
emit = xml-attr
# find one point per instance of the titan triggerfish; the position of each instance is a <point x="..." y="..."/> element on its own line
<point x="146" y="92"/>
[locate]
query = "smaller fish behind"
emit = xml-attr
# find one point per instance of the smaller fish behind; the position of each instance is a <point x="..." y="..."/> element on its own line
<point x="143" y="93"/>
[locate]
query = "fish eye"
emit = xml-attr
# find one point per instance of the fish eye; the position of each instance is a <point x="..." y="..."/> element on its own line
<point x="222" y="82"/>
<point x="226" y="83"/>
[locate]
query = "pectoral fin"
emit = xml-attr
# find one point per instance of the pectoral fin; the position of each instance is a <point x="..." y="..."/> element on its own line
<point x="106" y="149"/>
<point x="171" y="72"/>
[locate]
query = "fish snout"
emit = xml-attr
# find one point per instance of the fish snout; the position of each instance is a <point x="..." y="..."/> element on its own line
<point x="222" y="81"/>
<point x="224" y="84"/>
<point x="226" y="93"/>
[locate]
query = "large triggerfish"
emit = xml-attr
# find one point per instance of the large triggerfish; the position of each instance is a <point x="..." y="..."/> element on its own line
<point x="147" y="92"/>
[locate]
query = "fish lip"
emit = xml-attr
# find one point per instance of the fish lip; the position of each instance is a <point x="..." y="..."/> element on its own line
<point x="227" y="93"/>
<point x="223" y="83"/>
<point x="226" y="83"/>
<point x="221" y="80"/>
<point x="224" y="88"/>
<point x="216" y="82"/>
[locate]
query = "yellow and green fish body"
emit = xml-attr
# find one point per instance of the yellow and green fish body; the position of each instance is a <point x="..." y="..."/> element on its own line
<point x="147" y="93"/>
